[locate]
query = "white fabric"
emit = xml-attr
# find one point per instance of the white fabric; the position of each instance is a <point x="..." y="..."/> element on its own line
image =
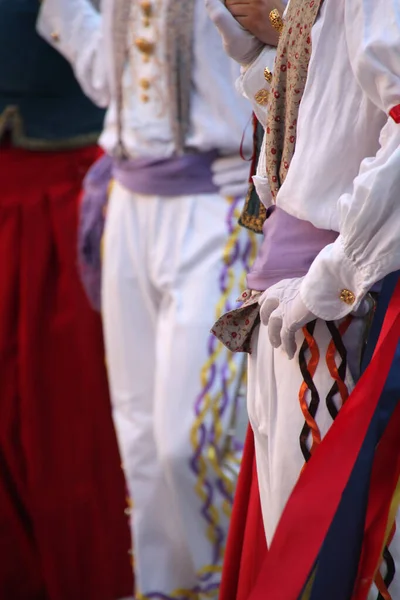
<point x="75" y="29"/>
<point x="239" y="44"/>
<point x="345" y="173"/>
<point x="219" y="114"/>
<point x="252" y="80"/>
<point x="277" y="421"/>
<point x="161" y="286"/>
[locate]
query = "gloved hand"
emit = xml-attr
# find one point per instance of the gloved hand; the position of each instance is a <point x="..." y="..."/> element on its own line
<point x="231" y="175"/>
<point x="239" y="44"/>
<point x="284" y="312"/>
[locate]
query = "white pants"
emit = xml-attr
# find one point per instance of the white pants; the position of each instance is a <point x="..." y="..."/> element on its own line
<point x="165" y="278"/>
<point x="277" y="421"/>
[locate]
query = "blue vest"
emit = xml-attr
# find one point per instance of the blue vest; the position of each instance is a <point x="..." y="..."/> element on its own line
<point x="41" y="103"/>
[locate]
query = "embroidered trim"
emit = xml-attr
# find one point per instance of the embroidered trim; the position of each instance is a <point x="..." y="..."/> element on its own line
<point x="308" y="370"/>
<point x="210" y="591"/>
<point x="180" y="18"/>
<point x="215" y="465"/>
<point x="338" y="373"/>
<point x="11" y="118"/>
<point x="253" y="222"/>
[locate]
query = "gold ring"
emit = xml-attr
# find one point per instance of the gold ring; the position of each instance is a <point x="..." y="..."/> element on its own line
<point x="267" y="75"/>
<point x="276" y="20"/>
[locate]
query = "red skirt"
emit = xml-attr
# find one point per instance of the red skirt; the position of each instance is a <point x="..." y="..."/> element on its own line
<point x="63" y="531"/>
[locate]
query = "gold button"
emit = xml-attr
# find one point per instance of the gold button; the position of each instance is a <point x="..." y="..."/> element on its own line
<point x="145" y="46"/>
<point x="147" y="8"/>
<point x="276" y="20"/>
<point x="144" y="98"/>
<point x="347" y="297"/>
<point x="261" y="97"/>
<point x="267" y="75"/>
<point x="55" y="36"/>
<point x="144" y="84"/>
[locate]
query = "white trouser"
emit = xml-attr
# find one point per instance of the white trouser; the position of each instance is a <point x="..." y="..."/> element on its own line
<point x="165" y="277"/>
<point x="277" y="420"/>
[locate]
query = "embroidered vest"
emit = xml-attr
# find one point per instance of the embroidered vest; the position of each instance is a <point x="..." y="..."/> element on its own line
<point x="287" y="88"/>
<point x="179" y="54"/>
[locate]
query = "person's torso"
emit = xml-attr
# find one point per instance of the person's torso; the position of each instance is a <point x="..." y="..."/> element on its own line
<point x="218" y="115"/>
<point x="41" y="104"/>
<point x="338" y="127"/>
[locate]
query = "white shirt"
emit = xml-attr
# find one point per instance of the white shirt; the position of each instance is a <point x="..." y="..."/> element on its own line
<point x="345" y="173"/>
<point x="219" y="115"/>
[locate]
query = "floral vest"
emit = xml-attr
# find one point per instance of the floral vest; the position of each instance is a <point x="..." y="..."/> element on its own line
<point x="287" y="88"/>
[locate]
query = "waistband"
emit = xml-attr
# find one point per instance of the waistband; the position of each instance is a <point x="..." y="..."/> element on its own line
<point x="173" y="176"/>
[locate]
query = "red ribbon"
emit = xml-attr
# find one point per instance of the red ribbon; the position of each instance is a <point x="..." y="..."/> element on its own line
<point x="318" y="492"/>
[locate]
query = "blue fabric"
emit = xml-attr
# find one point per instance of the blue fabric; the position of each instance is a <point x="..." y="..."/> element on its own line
<point x="337" y="564"/>
<point x="389" y="283"/>
<point x="38" y="81"/>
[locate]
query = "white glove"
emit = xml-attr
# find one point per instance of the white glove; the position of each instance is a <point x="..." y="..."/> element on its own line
<point x="231" y="175"/>
<point x="284" y="312"/>
<point x="239" y="44"/>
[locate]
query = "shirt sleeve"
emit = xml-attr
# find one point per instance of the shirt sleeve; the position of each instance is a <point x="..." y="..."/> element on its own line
<point x="75" y="29"/>
<point x="368" y="247"/>
<point x="252" y="81"/>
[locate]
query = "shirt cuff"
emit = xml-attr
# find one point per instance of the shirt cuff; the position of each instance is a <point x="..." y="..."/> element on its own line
<point x="334" y="286"/>
<point x="253" y="85"/>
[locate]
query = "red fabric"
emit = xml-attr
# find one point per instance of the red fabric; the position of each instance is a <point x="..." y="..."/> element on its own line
<point x="395" y="113"/>
<point x="63" y="531"/>
<point x="317" y="492"/>
<point x="246" y="547"/>
<point x="253" y="573"/>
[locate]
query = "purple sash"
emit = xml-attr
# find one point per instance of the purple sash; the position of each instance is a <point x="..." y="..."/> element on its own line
<point x="175" y="176"/>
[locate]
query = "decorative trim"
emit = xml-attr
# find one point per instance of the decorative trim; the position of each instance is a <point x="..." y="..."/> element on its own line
<point x="308" y="368"/>
<point x="249" y="220"/>
<point x="11" y="120"/>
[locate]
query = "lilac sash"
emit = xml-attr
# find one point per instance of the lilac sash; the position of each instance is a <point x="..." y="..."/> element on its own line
<point x="175" y="176"/>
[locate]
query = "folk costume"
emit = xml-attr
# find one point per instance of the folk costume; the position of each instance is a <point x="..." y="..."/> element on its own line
<point x="329" y="179"/>
<point x="173" y="259"/>
<point x="62" y="493"/>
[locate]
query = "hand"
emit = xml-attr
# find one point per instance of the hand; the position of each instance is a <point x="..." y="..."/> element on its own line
<point x="253" y="15"/>
<point x="283" y="311"/>
<point x="239" y="44"/>
<point x="231" y="175"/>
